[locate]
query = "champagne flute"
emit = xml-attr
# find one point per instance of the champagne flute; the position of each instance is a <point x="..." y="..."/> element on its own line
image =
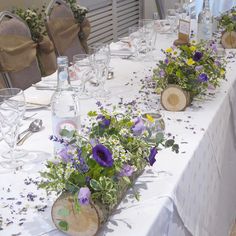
<point x="12" y="109"/>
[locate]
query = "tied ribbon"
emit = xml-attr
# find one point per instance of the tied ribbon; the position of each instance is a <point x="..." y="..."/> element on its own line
<point x="46" y="56"/>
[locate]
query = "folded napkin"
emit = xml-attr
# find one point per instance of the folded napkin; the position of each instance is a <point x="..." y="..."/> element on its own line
<point x="120" y="48"/>
<point x="38" y="98"/>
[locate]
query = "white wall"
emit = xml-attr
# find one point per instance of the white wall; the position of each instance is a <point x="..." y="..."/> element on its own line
<point x="150" y="7"/>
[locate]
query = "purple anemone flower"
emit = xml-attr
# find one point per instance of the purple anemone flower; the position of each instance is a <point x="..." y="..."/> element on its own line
<point x="126" y="170"/>
<point x="84" y="196"/>
<point x="202" y="77"/>
<point x="166" y="61"/>
<point x="103" y="121"/>
<point x="151" y="158"/>
<point x="197" y="56"/>
<point x="65" y="155"/>
<point x="102" y="155"/>
<point x="138" y="126"/>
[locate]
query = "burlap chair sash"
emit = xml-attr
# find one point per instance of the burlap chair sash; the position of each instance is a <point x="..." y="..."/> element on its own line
<point x="46" y="56"/>
<point x="64" y="31"/>
<point x="85" y="29"/>
<point x="16" y="52"/>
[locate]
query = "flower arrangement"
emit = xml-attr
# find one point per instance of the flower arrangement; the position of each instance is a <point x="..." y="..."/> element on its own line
<point x="98" y="166"/>
<point x="78" y="11"/>
<point x="228" y="21"/>
<point x="35" y="21"/>
<point x="194" y="68"/>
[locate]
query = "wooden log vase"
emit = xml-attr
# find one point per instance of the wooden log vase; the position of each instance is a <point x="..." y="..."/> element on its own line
<point x="228" y="39"/>
<point x="90" y="218"/>
<point x="174" y="98"/>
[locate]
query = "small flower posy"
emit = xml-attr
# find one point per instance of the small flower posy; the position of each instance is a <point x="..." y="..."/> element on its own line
<point x="95" y="166"/>
<point x="194" y="68"/>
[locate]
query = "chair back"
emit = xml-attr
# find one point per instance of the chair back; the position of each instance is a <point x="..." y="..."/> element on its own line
<point x="58" y="10"/>
<point x="12" y="25"/>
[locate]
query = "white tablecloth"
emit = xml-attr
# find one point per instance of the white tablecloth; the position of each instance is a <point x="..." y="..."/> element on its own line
<point x="190" y="193"/>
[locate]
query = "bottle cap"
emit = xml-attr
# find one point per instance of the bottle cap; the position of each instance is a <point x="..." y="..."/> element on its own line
<point x="62" y="60"/>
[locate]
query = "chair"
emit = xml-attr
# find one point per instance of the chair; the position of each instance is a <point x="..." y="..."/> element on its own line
<point x="59" y="11"/>
<point x="11" y="25"/>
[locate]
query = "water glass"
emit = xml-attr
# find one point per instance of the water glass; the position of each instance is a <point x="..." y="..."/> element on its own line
<point x="149" y="33"/>
<point x="135" y="36"/>
<point x="100" y="59"/>
<point x="12" y="109"/>
<point x="83" y="73"/>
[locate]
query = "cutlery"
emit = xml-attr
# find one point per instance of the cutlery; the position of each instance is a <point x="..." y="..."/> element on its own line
<point x="28" y="117"/>
<point x="34" y="126"/>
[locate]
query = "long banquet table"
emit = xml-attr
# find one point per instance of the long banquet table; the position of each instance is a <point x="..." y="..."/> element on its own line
<point x="190" y="193"/>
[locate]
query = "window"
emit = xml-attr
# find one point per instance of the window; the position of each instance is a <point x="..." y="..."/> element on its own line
<point x="110" y="19"/>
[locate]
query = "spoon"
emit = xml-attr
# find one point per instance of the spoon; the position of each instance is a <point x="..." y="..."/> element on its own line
<point x="34" y="126"/>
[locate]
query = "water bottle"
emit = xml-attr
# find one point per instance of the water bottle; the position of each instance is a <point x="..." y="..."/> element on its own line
<point x="64" y="104"/>
<point x="205" y="22"/>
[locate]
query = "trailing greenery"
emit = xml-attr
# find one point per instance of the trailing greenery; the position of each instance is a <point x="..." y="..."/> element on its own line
<point x="78" y="11"/>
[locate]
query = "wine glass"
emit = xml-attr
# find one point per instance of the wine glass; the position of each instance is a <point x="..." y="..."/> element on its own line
<point x="82" y="71"/>
<point x="12" y="109"/>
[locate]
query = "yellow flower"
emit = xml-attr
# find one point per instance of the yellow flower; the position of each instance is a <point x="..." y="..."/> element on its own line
<point x="150" y="118"/>
<point x="192" y="48"/>
<point x="222" y="72"/>
<point x="169" y="50"/>
<point x="190" y="62"/>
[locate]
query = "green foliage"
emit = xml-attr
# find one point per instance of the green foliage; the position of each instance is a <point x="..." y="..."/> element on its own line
<point x="64" y="226"/>
<point x="106" y="190"/>
<point x="34" y="18"/>
<point x="228" y="20"/>
<point x="185" y="66"/>
<point x="78" y="11"/>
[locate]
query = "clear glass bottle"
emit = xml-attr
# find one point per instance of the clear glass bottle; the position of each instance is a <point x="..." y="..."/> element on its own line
<point x="205" y="22"/>
<point x="64" y="103"/>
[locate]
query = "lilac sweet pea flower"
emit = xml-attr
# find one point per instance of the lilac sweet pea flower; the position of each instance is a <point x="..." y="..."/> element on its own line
<point x="66" y="155"/>
<point x="102" y="155"/>
<point x="162" y="73"/>
<point x="198" y="68"/>
<point x="126" y="170"/>
<point x="217" y="63"/>
<point x="84" y="196"/>
<point x="138" y="126"/>
<point x="202" y="77"/>
<point x="151" y="158"/>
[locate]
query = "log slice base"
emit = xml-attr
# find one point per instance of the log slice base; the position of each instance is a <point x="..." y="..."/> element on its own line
<point x="173" y="98"/>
